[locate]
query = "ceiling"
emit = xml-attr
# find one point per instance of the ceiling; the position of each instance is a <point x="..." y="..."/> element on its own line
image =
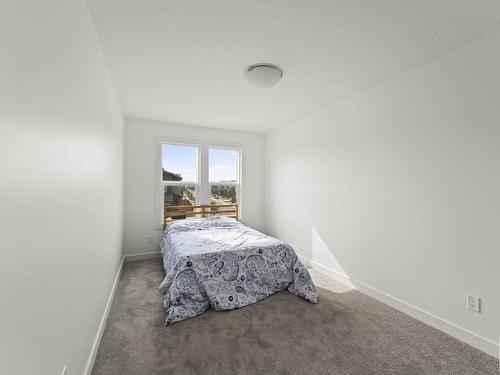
<point x="183" y="60"/>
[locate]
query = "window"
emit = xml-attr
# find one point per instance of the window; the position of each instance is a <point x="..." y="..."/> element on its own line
<point x="199" y="174"/>
<point x="179" y="174"/>
<point x="223" y="175"/>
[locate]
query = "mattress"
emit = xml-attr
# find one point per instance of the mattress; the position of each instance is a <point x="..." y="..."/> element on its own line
<point x="220" y="263"/>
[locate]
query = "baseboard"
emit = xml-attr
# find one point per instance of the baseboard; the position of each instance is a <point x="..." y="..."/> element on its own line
<point x="141" y="256"/>
<point x="102" y="324"/>
<point x="482" y="343"/>
<point x="334" y="274"/>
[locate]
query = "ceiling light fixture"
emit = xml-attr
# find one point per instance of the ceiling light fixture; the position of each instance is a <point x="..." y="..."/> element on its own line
<point x="263" y="75"/>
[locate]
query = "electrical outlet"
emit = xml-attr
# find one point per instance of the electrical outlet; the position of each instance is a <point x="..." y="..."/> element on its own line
<point x="63" y="372"/>
<point x="149" y="240"/>
<point x="473" y="303"/>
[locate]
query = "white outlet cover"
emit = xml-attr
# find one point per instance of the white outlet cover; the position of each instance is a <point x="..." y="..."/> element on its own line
<point x="473" y="303"/>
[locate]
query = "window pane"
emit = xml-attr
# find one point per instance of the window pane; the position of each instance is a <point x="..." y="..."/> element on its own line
<point x="223" y="165"/>
<point x="220" y="194"/>
<point x="180" y="163"/>
<point x="179" y="195"/>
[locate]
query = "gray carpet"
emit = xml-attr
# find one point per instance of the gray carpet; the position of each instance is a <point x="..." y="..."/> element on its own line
<point x="345" y="333"/>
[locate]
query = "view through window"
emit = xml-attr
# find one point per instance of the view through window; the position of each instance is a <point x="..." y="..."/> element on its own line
<point x="223" y="172"/>
<point x="179" y="174"/>
<point x="183" y="166"/>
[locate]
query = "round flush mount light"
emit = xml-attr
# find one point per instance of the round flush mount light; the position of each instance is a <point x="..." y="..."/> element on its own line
<point x="263" y="75"/>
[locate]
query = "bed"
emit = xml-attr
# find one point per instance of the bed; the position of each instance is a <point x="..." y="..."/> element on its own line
<point x="213" y="260"/>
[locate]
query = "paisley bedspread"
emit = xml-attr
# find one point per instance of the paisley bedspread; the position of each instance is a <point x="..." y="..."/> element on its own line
<point x="220" y="263"/>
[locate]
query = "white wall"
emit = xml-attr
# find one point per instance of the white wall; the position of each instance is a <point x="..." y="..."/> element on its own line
<point x="398" y="188"/>
<point x="141" y="178"/>
<point x="61" y="168"/>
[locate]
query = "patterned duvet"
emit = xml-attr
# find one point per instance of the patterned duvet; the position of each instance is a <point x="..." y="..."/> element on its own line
<point x="220" y="263"/>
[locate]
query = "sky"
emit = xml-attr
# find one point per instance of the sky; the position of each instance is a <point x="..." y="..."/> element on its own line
<point x="223" y="164"/>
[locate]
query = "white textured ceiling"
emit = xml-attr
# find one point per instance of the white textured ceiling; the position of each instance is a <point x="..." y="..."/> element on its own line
<point x="183" y="60"/>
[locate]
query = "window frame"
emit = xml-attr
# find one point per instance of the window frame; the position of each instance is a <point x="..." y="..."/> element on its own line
<point x="203" y="185"/>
